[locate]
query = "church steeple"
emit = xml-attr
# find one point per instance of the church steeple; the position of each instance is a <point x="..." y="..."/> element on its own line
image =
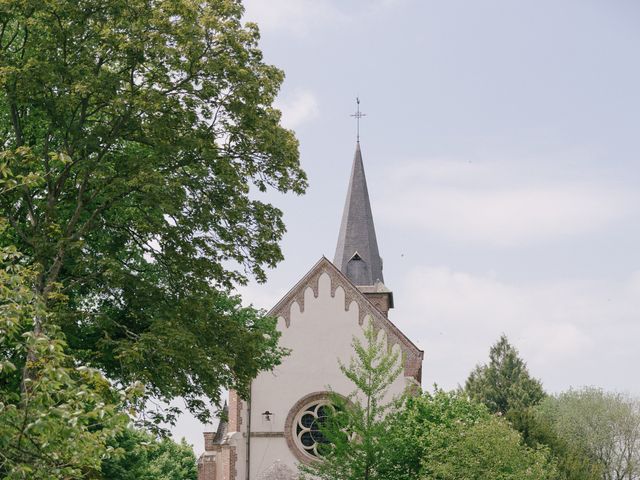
<point x="357" y="253"/>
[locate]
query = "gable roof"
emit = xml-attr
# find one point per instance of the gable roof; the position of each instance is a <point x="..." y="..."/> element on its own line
<point x="282" y="309"/>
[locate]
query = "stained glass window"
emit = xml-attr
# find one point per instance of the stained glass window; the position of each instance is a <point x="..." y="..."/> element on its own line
<point x="308" y="426"/>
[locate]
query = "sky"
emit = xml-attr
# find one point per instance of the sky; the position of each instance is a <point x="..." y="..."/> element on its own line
<point x="502" y="152"/>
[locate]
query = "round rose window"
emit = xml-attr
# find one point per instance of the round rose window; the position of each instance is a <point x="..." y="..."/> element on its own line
<point x="307" y="426"/>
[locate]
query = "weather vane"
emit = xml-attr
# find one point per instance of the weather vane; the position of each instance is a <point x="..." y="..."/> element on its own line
<point x="358" y="115"/>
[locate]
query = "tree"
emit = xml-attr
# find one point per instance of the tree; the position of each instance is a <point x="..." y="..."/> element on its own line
<point x="145" y="127"/>
<point x="487" y="450"/>
<point x="506" y="387"/>
<point x="145" y="457"/>
<point x="356" y="428"/>
<point x="504" y="384"/>
<point x="409" y="435"/>
<point x="445" y="435"/>
<point x="61" y="424"/>
<point x="572" y="459"/>
<point x="605" y="425"/>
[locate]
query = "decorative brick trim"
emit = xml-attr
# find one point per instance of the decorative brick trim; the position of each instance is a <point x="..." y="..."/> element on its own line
<point x="296" y="294"/>
<point x="267" y="434"/>
<point x="412" y="355"/>
<point x="233" y="460"/>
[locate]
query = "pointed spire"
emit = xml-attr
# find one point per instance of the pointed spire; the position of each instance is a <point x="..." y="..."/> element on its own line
<point x="357" y="253"/>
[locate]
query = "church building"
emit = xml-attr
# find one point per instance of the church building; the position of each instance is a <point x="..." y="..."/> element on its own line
<point x="267" y="435"/>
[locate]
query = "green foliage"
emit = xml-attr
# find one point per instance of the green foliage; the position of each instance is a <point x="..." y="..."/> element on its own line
<point x="357" y="429"/>
<point x="604" y="425"/>
<point x="487" y="450"/>
<point x="410" y="430"/>
<point x="504" y="384"/>
<point x="66" y="421"/>
<point x="57" y="422"/>
<point x="538" y="430"/>
<point x="446" y="436"/>
<point x="443" y="436"/>
<point x="134" y="135"/>
<point x="505" y="387"/>
<point x="144" y="457"/>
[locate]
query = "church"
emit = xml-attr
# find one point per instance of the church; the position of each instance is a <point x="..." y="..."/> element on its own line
<point x="267" y="435"/>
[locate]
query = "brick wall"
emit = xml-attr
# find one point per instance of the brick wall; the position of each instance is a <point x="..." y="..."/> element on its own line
<point x="380" y="300"/>
<point x="207" y="467"/>
<point x="235" y="409"/>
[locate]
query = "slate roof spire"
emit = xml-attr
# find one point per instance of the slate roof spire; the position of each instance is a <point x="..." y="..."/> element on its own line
<point x="223" y="426"/>
<point x="357" y="253"/>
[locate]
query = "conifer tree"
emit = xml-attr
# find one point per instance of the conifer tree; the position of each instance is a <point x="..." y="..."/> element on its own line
<point x="505" y="383"/>
<point x="506" y="388"/>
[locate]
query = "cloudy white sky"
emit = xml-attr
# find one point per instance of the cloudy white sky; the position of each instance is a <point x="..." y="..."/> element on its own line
<point x="501" y="145"/>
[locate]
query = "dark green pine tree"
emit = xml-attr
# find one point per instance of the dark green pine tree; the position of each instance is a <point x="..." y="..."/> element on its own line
<point x="504" y="384"/>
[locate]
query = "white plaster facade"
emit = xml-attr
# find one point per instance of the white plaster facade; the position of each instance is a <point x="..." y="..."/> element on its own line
<point x="318" y="319"/>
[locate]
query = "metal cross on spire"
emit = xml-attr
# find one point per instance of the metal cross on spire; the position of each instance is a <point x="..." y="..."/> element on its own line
<point x="358" y="115"/>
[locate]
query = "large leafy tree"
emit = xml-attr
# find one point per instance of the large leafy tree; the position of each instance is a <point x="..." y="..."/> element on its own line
<point x="445" y="435"/>
<point x="538" y="429"/>
<point x="504" y="384"/>
<point x="61" y="424"/>
<point x="141" y="456"/>
<point x="134" y="134"/>
<point x="605" y="425"/>
<point x="410" y="430"/>
<point x="486" y="450"/>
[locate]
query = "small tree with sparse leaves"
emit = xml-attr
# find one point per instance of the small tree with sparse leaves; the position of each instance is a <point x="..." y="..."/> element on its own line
<point x="355" y="429"/>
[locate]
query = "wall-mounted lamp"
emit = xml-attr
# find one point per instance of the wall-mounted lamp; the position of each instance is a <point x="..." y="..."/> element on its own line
<point x="266" y="416"/>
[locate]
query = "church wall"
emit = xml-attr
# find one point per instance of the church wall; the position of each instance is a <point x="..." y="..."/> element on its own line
<point x="237" y="458"/>
<point x="266" y="451"/>
<point x="317" y="337"/>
